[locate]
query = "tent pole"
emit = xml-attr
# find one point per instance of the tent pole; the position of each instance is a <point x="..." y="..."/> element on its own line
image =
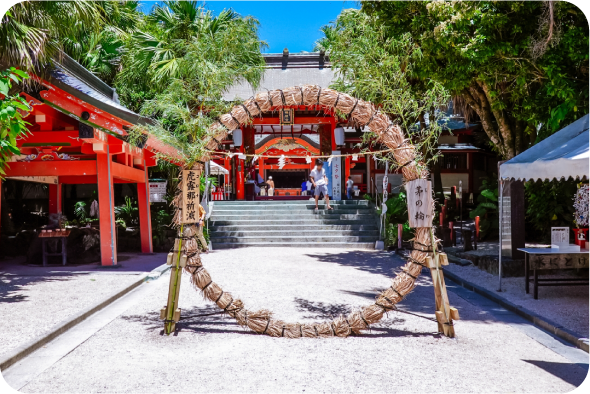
<point x="500" y="240"/>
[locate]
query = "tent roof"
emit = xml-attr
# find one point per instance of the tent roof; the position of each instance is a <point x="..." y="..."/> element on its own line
<point x="216" y="169"/>
<point x="562" y="155"/>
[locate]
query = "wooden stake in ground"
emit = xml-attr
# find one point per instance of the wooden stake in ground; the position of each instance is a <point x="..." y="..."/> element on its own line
<point x="445" y="314"/>
<point x="190" y="214"/>
<point x="171" y="313"/>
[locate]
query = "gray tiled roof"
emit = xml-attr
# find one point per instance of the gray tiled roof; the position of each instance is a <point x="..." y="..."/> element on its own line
<point x="284" y="71"/>
<point x="74" y="79"/>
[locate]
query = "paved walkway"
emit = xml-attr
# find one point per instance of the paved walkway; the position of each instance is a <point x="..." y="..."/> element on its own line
<point x="494" y="351"/>
<point x="35" y="299"/>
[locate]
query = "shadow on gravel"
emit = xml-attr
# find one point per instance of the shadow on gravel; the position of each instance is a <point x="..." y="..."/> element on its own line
<point x="14" y="288"/>
<point x="572" y="373"/>
<point x="375" y="262"/>
<point x="198" y="320"/>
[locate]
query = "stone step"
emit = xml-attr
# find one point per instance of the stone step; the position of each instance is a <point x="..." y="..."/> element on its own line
<point x="284" y="222"/>
<point x="278" y="212"/>
<point x="289" y="233"/>
<point x="338" y="245"/>
<point x="311" y="238"/>
<point x="296" y="227"/>
<point x="288" y="202"/>
<point x="298" y="208"/>
<point x="352" y="216"/>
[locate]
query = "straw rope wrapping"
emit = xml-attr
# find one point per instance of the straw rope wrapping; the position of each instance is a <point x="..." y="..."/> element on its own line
<point x="391" y="135"/>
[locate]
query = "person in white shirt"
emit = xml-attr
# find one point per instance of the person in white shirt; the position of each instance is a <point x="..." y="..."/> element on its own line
<point x="318" y="178"/>
<point x="349" y="184"/>
<point x="271" y="186"/>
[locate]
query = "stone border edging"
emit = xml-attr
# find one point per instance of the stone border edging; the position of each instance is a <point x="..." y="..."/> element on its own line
<point x="24" y="350"/>
<point x="548" y="325"/>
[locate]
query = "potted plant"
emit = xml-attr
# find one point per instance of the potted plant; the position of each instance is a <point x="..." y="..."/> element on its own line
<point x="581" y="215"/>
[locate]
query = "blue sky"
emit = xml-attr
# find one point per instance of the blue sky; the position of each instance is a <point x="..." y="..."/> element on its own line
<point x="292" y="24"/>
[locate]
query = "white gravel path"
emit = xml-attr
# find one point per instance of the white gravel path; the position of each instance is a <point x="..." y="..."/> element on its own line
<point x="564" y="305"/>
<point x="213" y="354"/>
<point x="33" y="305"/>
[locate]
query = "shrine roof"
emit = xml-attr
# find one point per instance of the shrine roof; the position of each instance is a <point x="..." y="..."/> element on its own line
<point x="76" y="80"/>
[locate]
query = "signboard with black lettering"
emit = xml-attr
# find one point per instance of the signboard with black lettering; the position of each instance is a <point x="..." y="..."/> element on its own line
<point x="287" y="116"/>
<point x="190" y="196"/>
<point x="419" y="203"/>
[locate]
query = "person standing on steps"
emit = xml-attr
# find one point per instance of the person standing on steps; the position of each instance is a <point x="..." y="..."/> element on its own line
<point x="304" y="187"/>
<point x="318" y="178"/>
<point x="271" y="186"/>
<point x="202" y="214"/>
<point x="349" y="184"/>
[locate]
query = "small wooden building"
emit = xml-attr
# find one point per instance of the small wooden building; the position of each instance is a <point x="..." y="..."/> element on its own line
<point x="78" y="135"/>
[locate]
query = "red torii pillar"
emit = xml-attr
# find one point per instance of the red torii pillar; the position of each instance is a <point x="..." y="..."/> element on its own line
<point x="106" y="208"/>
<point x="145" y="220"/>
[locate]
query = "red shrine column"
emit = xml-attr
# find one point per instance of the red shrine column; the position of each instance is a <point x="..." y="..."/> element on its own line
<point x="106" y="207"/>
<point x="145" y="220"/>
<point x="55" y="198"/>
<point x="261" y="168"/>
<point x="240" y="192"/>
<point x="346" y="169"/>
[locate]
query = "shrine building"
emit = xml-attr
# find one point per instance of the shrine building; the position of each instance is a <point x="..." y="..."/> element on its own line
<point x="302" y="131"/>
<point x="78" y="132"/>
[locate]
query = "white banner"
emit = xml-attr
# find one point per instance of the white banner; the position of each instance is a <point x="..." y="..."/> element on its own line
<point x="336" y="177"/>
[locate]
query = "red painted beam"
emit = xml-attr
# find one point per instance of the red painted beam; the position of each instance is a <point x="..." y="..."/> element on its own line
<point x="51" y="168"/>
<point x="127" y="173"/>
<point x="75" y="106"/>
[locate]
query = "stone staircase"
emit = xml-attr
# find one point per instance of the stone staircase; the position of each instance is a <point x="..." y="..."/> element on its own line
<point x="236" y="224"/>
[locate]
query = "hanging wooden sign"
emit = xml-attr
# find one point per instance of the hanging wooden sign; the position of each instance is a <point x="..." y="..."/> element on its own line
<point x="419" y="203"/>
<point x="190" y="195"/>
<point x="287" y="116"/>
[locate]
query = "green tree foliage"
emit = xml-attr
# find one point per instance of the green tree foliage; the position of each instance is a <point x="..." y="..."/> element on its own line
<point x="550" y="204"/>
<point x="32" y="32"/>
<point x="487" y="208"/>
<point x="378" y="67"/>
<point x="100" y="50"/>
<point x="187" y="58"/>
<point x="522" y="66"/>
<point x="12" y="108"/>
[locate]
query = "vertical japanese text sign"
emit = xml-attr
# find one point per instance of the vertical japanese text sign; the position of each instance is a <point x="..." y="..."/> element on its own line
<point x="419" y="203"/>
<point x="190" y="196"/>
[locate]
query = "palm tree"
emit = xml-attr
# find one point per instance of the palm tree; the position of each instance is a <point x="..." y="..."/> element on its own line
<point x="173" y="34"/>
<point x="31" y="31"/>
<point x="100" y="51"/>
<point x="186" y="57"/>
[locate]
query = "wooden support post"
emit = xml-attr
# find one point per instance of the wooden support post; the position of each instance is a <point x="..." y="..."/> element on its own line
<point x="106" y="207"/>
<point x="445" y="314"/>
<point x="55" y="205"/>
<point x="171" y="313"/>
<point x="145" y="221"/>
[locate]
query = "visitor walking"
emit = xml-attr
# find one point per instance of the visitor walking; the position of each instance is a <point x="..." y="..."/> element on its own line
<point x="349" y="184"/>
<point x="202" y="214"/>
<point x="271" y="186"/>
<point x="318" y="178"/>
<point x="304" y="188"/>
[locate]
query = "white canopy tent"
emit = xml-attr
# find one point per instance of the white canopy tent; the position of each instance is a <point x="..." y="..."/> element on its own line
<point x="563" y="155"/>
<point x="216" y="169"/>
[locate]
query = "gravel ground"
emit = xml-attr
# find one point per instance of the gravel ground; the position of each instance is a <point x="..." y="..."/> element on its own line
<point x="567" y="306"/>
<point x="39" y="298"/>
<point x="213" y="354"/>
